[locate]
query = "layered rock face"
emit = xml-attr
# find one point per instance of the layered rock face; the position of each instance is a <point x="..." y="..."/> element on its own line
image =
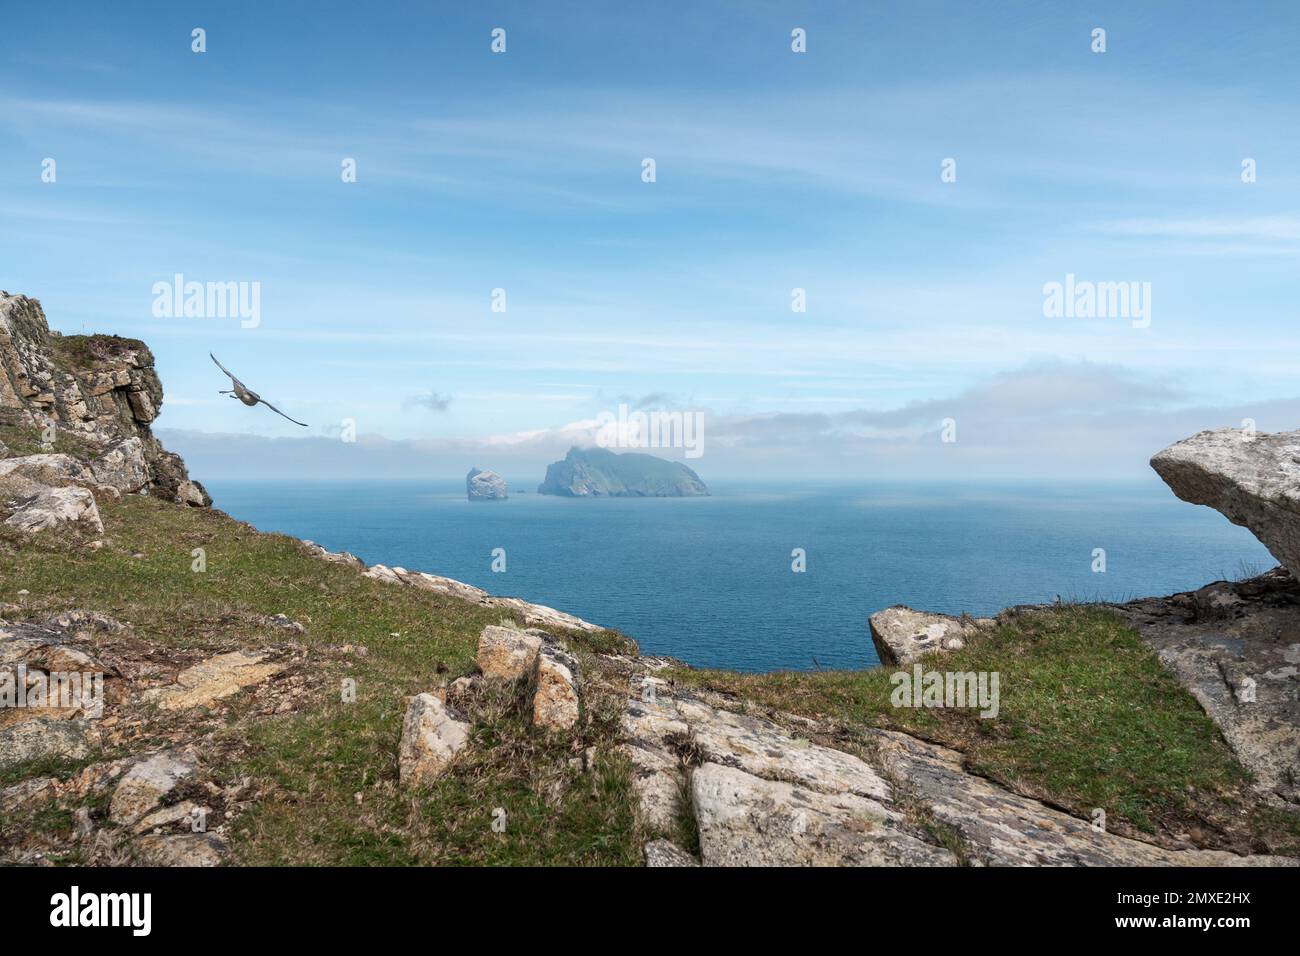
<point x="600" y="473"/>
<point x="1253" y="479"/>
<point x="97" y="392"/>
<point x="485" y="486"/>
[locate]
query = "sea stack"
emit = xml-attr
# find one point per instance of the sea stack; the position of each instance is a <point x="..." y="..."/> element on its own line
<point x="485" y="486"/>
<point x="600" y="473"/>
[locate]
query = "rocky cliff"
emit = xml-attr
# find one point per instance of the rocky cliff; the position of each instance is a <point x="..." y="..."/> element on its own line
<point x="600" y="473"/>
<point x="92" y="397"/>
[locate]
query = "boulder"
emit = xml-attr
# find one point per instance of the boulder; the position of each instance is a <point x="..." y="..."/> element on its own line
<point x="145" y="785"/>
<point x="485" y="486"/>
<point x="382" y="572"/>
<point x="507" y="654"/>
<point x="53" y="508"/>
<point x="440" y="585"/>
<point x="1252" y="479"/>
<point x="902" y="635"/>
<point x="191" y="493"/>
<point x="141" y="406"/>
<point x="431" y="739"/>
<point x="539" y="615"/>
<point x="555" y="691"/>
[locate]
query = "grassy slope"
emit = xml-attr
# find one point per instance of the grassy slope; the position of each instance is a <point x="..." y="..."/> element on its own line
<point x="1089" y="719"/>
<point x="309" y="765"/>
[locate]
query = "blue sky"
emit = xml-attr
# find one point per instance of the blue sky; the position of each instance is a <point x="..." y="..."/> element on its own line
<point x="775" y="170"/>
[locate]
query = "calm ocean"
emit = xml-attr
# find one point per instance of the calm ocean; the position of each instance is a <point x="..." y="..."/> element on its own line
<point x="709" y="580"/>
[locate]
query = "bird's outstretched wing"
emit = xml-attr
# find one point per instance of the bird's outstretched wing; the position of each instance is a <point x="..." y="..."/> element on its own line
<point x="226" y="370"/>
<point x="280" y="413"/>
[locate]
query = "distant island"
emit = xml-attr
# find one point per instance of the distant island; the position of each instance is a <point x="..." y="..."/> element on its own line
<point x="600" y="473"/>
<point x="485" y="486"/>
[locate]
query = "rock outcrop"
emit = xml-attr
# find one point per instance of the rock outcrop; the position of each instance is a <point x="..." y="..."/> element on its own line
<point x="551" y="672"/>
<point x="51" y="508"/>
<point x="536" y="615"/>
<point x="600" y="473"/>
<point x="555" y="689"/>
<point x="99" y="393"/>
<point x="761" y="794"/>
<point x="902" y="635"/>
<point x="485" y="486"/>
<point x="1252" y="479"/>
<point x="505" y="653"/>
<point x="1235" y="645"/>
<point x="431" y="739"/>
<point x="146" y="785"/>
<point x="160" y="803"/>
<point x="214" y="679"/>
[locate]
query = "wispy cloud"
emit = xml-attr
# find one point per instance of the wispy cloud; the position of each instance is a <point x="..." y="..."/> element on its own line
<point x="1264" y="227"/>
<point x="431" y="401"/>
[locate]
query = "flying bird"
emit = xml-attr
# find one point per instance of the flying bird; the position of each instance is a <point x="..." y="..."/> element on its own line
<point x="247" y="395"/>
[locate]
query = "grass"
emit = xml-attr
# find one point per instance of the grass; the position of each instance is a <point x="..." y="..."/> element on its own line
<point x="1088" y="717"/>
<point x="81" y="352"/>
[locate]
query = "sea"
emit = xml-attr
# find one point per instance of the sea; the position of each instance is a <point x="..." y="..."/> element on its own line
<point x="713" y="581"/>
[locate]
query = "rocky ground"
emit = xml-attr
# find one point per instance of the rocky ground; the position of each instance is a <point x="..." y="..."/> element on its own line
<point x="169" y="708"/>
